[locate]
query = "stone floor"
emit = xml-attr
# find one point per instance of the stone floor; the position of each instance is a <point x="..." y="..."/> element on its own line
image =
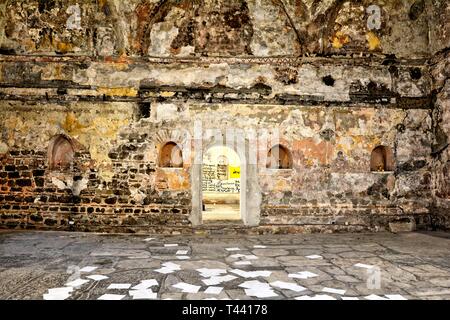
<point x="409" y="265"/>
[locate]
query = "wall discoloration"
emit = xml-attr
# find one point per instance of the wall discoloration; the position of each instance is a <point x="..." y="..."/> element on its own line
<point x="218" y="27"/>
<point x="332" y="79"/>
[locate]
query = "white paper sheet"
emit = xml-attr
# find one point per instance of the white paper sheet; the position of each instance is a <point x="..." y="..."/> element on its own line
<point x="269" y="293"/>
<point x="206" y="272"/>
<point x="171" y="245"/>
<point x="314" y="256"/>
<point x="287" y="285"/>
<point x="58" y="293"/>
<point x="214" y="290"/>
<point x="182" y="252"/>
<point x="395" y="297"/>
<point x="143" y="294"/>
<point x="119" y="286"/>
<point x="255" y="288"/>
<point x="302" y="275"/>
<point x="215" y="280"/>
<point x="232" y="249"/>
<point x="254" y="284"/>
<point x="242" y="263"/>
<point x="88" y="269"/>
<point x="316" y="297"/>
<point x="183" y="257"/>
<point x="374" y="297"/>
<point x="165" y="270"/>
<point x="332" y="290"/>
<point x="258" y="246"/>
<point x="186" y="287"/>
<point x="97" y="277"/>
<point x="145" y="284"/>
<point x="149" y="239"/>
<point x="65" y="290"/>
<point x="59" y="296"/>
<point x="111" y="297"/>
<point x="76" y="283"/>
<point x="171" y="265"/>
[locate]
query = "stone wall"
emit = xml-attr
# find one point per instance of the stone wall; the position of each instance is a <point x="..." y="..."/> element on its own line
<point x="332" y="79"/>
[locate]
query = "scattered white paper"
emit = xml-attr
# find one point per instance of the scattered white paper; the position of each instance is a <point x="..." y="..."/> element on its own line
<point x="186" y="287"/>
<point x="168" y="267"/>
<point x="145" y="284"/>
<point x="349" y="298"/>
<point x="119" y="286"/>
<point x="76" y="283"/>
<point x="332" y="290"/>
<point x="213" y="290"/>
<point x="182" y="252"/>
<point x="59" y="296"/>
<point x="111" y="297"/>
<point x="165" y="270"/>
<point x="242" y="263"/>
<point x="395" y="297"/>
<point x="171" y="245"/>
<point x="97" y="277"/>
<point x="316" y="297"/>
<point x="258" y="289"/>
<point x="205" y="272"/>
<point x="375" y="297"/>
<point x="314" y="256"/>
<point x="149" y="239"/>
<point x="183" y="257"/>
<point x="303" y="275"/>
<point x="58" y="293"/>
<point x="171" y="265"/>
<point x="88" y="269"/>
<point x="257" y="246"/>
<point x="143" y="294"/>
<point x="287" y="285"/>
<point x="215" y="280"/>
<point x="232" y="249"/>
<point x="254" y="284"/>
<point x="65" y="290"/>
<point x="362" y="265"/>
<point x="269" y="293"/>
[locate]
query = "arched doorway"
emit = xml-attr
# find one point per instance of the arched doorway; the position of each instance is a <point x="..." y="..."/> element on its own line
<point x="221" y="184"/>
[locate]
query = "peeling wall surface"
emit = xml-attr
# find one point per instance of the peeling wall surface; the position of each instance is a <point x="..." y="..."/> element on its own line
<point x="330" y="81"/>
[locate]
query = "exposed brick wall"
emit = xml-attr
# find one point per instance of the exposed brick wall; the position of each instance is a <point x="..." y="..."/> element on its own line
<point x="130" y="76"/>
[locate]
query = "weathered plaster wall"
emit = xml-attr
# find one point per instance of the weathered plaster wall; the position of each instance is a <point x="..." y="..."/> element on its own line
<point x="122" y="78"/>
<point x="219" y="27"/>
<point x="440" y="148"/>
<point x="114" y="180"/>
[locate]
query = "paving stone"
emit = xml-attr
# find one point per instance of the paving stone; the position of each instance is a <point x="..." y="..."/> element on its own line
<point x="406" y="268"/>
<point x="270" y="252"/>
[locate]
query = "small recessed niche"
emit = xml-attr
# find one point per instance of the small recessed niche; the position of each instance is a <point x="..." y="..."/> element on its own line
<point x="171" y="156"/>
<point x="279" y="157"/>
<point x="60" y="153"/>
<point x="328" y="80"/>
<point x="382" y="159"/>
